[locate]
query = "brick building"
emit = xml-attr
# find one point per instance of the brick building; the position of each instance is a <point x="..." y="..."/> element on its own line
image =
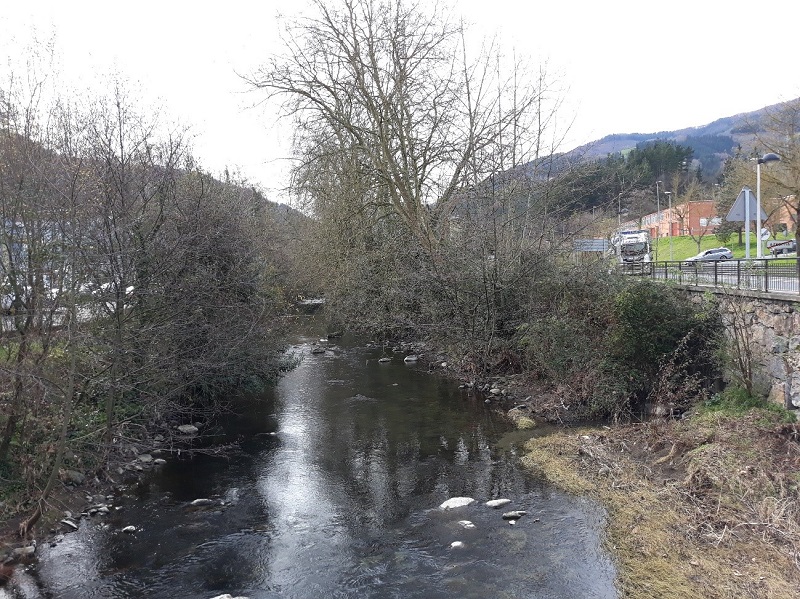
<point x="690" y="218"/>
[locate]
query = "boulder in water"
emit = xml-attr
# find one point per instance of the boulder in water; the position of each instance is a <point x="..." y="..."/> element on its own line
<point x="455" y="502"/>
<point x="515" y="515"/>
<point x="456" y="545"/>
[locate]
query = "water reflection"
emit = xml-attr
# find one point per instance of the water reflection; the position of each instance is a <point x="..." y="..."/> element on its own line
<point x="343" y="503"/>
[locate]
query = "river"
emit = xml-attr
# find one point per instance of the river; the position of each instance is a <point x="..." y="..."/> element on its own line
<point x="342" y="501"/>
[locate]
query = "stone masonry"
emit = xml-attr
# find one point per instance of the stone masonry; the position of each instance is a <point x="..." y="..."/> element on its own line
<point x="770" y="328"/>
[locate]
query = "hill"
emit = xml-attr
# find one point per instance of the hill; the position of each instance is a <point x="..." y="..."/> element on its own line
<point x="712" y="143"/>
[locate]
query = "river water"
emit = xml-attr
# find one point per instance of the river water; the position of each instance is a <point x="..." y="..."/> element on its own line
<point x="342" y="502"/>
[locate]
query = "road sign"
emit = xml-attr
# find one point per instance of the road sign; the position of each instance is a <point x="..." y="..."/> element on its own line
<point x="764" y="233"/>
<point x="745" y="204"/>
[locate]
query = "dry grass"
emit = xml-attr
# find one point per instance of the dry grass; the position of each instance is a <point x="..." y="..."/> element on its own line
<point x="704" y="508"/>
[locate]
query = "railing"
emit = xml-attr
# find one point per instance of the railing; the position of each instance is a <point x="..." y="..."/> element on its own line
<point x="772" y="275"/>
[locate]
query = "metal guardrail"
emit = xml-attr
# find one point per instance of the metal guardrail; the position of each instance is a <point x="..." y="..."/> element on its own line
<point x="769" y="275"/>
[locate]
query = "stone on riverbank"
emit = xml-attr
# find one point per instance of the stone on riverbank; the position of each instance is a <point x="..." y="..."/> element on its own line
<point x="69" y="524"/>
<point x="188" y="429"/>
<point x="74" y="477"/>
<point x="496" y="503"/>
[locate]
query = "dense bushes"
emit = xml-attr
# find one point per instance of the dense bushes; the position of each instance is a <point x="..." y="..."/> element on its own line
<point x="619" y="343"/>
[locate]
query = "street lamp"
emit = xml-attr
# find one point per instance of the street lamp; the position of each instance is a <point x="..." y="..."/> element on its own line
<point x="658" y="217"/>
<point x="669" y="223"/>
<point x="769" y="157"/>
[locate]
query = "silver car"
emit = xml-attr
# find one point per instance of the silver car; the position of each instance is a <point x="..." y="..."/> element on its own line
<point x="712" y="255"/>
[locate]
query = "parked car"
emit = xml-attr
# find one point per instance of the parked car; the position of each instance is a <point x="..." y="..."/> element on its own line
<point x="712" y="255"/>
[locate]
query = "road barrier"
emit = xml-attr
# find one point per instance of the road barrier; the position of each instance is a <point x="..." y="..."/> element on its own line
<point x="769" y="275"/>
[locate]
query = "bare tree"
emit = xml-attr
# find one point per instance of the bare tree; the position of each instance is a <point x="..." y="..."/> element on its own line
<point x="396" y="86"/>
<point x="780" y="133"/>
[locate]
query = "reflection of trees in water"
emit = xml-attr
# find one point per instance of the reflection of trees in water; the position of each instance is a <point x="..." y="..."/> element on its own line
<point x="392" y="447"/>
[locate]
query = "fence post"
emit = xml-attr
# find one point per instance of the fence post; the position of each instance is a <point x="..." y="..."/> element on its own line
<point x="738" y="274"/>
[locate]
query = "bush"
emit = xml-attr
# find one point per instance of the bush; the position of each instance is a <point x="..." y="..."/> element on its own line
<point x="617" y="344"/>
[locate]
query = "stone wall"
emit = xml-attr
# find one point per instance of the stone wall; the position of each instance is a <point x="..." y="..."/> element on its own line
<point x="770" y="325"/>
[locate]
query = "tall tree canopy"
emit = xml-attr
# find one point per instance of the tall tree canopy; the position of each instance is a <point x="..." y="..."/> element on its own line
<point x="393" y="90"/>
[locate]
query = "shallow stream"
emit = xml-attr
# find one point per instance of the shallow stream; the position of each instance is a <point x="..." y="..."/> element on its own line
<point x="342" y="502"/>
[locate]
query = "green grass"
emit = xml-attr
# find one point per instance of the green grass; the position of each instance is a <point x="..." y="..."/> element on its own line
<point x="685" y="247"/>
<point x="735" y="401"/>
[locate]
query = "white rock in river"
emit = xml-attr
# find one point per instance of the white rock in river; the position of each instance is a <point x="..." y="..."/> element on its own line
<point x="495" y="503"/>
<point x="515" y="515"/>
<point x="201" y="502"/>
<point x="228" y="596"/>
<point x="456" y="545"/>
<point x="188" y="429"/>
<point x="455" y="502"/>
<point x="129" y="529"/>
<point x="466" y="524"/>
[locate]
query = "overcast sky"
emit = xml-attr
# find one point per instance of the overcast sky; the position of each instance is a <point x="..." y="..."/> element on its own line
<point x="629" y="65"/>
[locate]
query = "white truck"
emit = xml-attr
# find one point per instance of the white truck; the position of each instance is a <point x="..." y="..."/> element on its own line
<point x="784" y="246"/>
<point x="632" y="246"/>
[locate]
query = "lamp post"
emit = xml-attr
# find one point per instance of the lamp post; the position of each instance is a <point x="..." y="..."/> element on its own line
<point x="769" y="157"/>
<point x="619" y="211"/>
<point x="669" y="222"/>
<point x="658" y="217"/>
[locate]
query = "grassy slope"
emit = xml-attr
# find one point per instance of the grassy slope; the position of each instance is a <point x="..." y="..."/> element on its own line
<point x="699" y="508"/>
<point x="684" y="247"/>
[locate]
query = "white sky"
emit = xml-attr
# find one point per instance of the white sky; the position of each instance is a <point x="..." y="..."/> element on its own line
<point x="629" y="65"/>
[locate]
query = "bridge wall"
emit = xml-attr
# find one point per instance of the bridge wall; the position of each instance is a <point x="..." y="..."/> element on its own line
<point x="770" y="326"/>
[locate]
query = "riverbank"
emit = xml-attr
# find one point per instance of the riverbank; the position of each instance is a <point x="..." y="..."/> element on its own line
<point x="702" y="507"/>
<point x="78" y="492"/>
